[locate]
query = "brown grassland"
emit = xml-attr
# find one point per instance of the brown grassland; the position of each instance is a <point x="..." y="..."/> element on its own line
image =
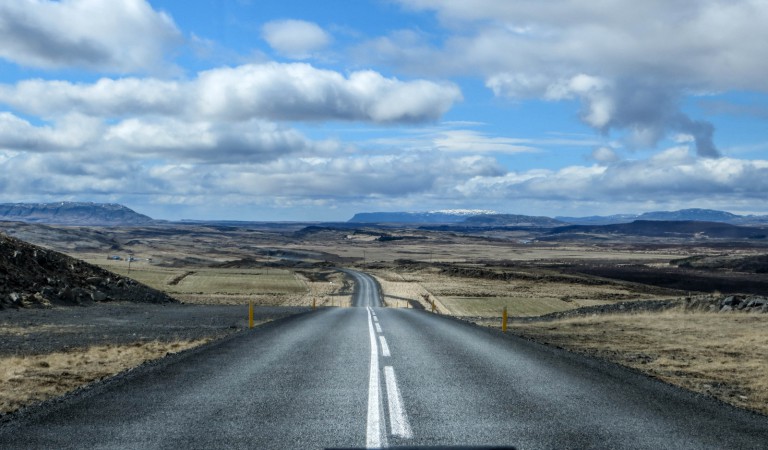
<point x="722" y="355"/>
<point x="471" y="277"/>
<point x="34" y="378"/>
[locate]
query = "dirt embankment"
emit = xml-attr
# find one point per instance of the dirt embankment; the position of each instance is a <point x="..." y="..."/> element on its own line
<point x="32" y="276"/>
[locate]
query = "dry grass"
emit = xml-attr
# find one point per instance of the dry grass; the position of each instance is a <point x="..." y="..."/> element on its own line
<point x="43" y="328"/>
<point x="493" y="306"/>
<point x="476" y="297"/>
<point x="723" y="355"/>
<point x="327" y="292"/>
<point x="236" y="286"/>
<point x="398" y="288"/>
<point x="30" y="379"/>
<point x="438" y="247"/>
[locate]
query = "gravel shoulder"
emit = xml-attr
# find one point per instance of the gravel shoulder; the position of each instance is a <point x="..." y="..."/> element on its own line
<point x="39" y="331"/>
<point x="45" y="353"/>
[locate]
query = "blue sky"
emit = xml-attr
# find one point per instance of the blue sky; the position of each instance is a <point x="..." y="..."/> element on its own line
<point x="305" y="110"/>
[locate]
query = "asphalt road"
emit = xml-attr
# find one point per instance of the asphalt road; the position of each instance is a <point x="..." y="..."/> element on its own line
<point x="377" y="377"/>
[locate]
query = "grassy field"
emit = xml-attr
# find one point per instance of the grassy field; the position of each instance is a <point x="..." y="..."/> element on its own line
<point x="488" y="306"/>
<point x="723" y="355"/>
<point x="478" y="297"/>
<point x="438" y="249"/>
<point x="263" y="286"/>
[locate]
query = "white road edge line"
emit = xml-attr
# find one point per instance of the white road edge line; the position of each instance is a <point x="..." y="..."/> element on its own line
<point x="373" y="435"/>
<point x="384" y="346"/>
<point x="398" y="421"/>
<point x="378" y="328"/>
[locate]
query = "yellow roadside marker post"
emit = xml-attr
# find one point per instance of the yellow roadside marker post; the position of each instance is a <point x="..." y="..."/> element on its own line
<point x="250" y="314"/>
<point x="504" y="320"/>
<point x="314" y="303"/>
<point x="433" y="305"/>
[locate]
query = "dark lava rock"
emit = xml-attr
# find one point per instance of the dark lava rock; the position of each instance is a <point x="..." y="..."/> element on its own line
<point x="32" y="276"/>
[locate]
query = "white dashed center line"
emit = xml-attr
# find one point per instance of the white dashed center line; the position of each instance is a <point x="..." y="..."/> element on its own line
<point x="398" y="421"/>
<point x="376" y="434"/>
<point x="384" y="346"/>
<point x="373" y="435"/>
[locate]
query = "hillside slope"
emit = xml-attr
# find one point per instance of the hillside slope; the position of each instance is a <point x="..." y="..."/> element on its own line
<point x="31" y="276"/>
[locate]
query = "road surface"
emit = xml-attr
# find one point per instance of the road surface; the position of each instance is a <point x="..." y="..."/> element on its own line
<point x="375" y="377"/>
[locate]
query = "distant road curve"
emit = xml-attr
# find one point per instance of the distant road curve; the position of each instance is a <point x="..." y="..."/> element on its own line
<point x="367" y="291"/>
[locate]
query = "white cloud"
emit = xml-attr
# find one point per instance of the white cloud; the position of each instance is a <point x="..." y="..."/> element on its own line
<point x="270" y="91"/>
<point x="451" y="137"/>
<point x="296" y="39"/>
<point x="70" y="132"/>
<point x="302" y="92"/>
<point x="673" y="175"/>
<point x="115" y="36"/>
<point x="468" y="141"/>
<point x="161" y="138"/>
<point x="605" y="155"/>
<point x="630" y="63"/>
<point x="209" y="142"/>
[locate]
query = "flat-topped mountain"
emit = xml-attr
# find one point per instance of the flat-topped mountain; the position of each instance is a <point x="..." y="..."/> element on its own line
<point x="72" y="213"/>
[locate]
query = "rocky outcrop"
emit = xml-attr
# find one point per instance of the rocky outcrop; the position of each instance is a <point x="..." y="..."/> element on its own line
<point x="31" y="276"/>
<point x="746" y="303"/>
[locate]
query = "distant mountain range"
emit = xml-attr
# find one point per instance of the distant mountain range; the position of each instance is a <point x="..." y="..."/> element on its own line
<point x="663" y="228"/>
<point x="474" y="218"/>
<point x="429" y="217"/>
<point x="695" y="214"/>
<point x="72" y="213"/>
<point x="511" y="220"/>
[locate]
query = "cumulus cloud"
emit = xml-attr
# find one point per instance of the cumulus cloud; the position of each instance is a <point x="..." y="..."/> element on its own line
<point x="296" y="39"/>
<point x="674" y="171"/>
<point x="116" y="36"/>
<point x="222" y="133"/>
<point x="605" y="155"/>
<point x="70" y="132"/>
<point x="271" y="91"/>
<point x="340" y="178"/>
<point x="162" y="138"/>
<point x="333" y="179"/>
<point x="107" y="97"/>
<point x="628" y="62"/>
<point x="648" y="110"/>
<point x="302" y="92"/>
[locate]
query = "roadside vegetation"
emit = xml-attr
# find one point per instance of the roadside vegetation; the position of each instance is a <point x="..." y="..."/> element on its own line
<point x="34" y="378"/>
<point x="724" y="355"/>
<point x="264" y="286"/>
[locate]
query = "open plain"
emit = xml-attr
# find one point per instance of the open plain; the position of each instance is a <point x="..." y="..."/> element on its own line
<point x="571" y="294"/>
